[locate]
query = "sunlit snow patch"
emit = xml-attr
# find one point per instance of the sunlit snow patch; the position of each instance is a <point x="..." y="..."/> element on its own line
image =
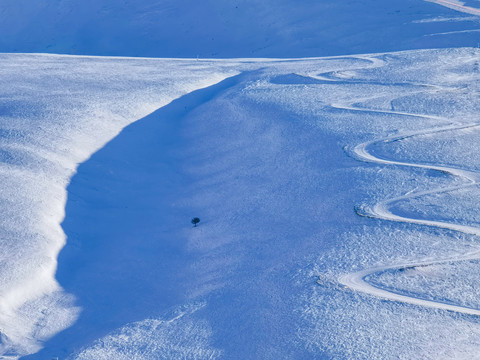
<point x="180" y="337"/>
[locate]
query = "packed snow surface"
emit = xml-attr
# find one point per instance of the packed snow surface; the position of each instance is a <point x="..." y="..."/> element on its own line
<point x="324" y="188"/>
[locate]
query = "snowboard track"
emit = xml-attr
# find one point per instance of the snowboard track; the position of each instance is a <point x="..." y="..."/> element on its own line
<point x="357" y="281"/>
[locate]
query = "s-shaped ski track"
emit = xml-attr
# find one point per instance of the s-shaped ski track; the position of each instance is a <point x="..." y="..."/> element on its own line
<point x="357" y="280"/>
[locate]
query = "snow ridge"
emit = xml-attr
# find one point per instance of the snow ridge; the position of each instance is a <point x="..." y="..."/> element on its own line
<point x="46" y="132"/>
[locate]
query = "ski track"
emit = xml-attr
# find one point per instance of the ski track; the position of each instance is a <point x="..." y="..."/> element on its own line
<point x="456" y="5"/>
<point x="357" y="280"/>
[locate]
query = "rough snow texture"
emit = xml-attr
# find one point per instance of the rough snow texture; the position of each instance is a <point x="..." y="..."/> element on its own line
<point x="265" y="160"/>
<point x="367" y="327"/>
<point x="54" y="113"/>
<point x="181" y="337"/>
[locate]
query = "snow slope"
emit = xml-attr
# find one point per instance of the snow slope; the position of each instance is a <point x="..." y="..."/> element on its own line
<point x="261" y="151"/>
<point x="264" y="159"/>
<point x="402" y="262"/>
<point x="55" y="112"/>
<point x="241" y="28"/>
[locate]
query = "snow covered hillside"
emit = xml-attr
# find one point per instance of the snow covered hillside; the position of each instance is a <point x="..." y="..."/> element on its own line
<point x="240" y="28"/>
<point x="55" y="112"/>
<point x="269" y="154"/>
<point x="338" y="195"/>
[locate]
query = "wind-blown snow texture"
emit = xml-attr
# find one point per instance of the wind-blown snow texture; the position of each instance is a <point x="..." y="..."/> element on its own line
<point x="55" y="112"/>
<point x="260" y="158"/>
<point x="295" y="167"/>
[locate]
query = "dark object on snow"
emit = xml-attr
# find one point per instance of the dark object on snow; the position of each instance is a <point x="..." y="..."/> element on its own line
<point x="195" y="221"/>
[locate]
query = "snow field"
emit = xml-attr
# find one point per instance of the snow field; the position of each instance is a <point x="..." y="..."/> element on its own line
<point x="48" y="130"/>
<point x="266" y="161"/>
<point x="178" y="337"/>
<point x="245" y="28"/>
<point x="377" y="325"/>
<point x="54" y="113"/>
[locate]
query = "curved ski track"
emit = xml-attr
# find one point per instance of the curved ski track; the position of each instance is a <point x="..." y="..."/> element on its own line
<point x="357" y="281"/>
